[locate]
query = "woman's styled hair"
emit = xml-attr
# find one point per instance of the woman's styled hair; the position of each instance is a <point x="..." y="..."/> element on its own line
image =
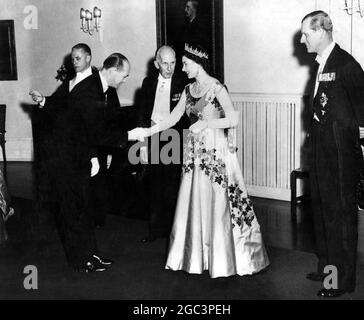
<point x="198" y="54"/>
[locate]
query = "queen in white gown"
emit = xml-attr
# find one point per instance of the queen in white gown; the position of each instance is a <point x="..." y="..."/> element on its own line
<point x="215" y="227"/>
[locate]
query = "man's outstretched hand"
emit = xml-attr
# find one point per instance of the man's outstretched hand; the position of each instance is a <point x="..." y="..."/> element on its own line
<point x="36" y="96"/>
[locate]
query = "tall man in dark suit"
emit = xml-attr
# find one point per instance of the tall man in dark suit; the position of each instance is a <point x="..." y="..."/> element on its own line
<point x="81" y="126"/>
<point x="81" y="62"/>
<point x="160" y="94"/>
<point x="337" y="113"/>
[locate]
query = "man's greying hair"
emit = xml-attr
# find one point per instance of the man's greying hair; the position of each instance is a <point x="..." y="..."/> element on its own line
<point x="116" y="60"/>
<point x="319" y="20"/>
<point x="82" y="46"/>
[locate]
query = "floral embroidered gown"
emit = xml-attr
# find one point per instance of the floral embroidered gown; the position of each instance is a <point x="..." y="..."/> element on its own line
<point x="5" y="210"/>
<point x="214" y="227"/>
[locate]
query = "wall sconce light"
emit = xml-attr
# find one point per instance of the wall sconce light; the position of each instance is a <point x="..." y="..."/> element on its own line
<point x="351" y="10"/>
<point x="360" y="10"/>
<point x="86" y="20"/>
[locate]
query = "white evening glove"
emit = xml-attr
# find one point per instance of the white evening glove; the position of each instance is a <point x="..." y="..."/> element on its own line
<point x="138" y="134"/>
<point x="198" y="126"/>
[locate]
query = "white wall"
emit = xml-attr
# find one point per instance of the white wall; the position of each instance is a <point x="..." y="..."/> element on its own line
<point x="128" y="26"/>
<point x="259" y="51"/>
<point x="12" y="93"/>
<point x="263" y="56"/>
<point x="258" y="48"/>
<point x="260" y="56"/>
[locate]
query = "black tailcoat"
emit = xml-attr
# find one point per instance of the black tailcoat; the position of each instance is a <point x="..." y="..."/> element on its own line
<point x="81" y="125"/>
<point x="163" y="180"/>
<point x="335" y="163"/>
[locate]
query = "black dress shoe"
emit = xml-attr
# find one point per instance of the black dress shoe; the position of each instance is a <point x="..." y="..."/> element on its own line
<point x="316" y="276"/>
<point x="103" y="261"/>
<point x="330" y="293"/>
<point x="99" y="224"/>
<point x="90" y="267"/>
<point x="149" y="238"/>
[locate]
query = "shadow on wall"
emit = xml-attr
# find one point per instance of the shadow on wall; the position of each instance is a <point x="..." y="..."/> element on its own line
<point x="150" y="71"/>
<point x="305" y="59"/>
<point x="66" y="71"/>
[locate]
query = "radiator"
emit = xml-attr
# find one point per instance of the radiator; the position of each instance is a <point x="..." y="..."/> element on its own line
<point x="269" y="139"/>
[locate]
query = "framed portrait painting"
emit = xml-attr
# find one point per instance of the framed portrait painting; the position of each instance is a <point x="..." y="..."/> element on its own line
<point x="175" y="28"/>
<point x="8" y="70"/>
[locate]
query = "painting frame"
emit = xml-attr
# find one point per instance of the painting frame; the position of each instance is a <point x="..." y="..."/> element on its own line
<point x="215" y="19"/>
<point x="8" y="65"/>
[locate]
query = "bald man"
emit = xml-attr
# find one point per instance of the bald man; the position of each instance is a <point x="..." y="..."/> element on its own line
<point x="159" y="95"/>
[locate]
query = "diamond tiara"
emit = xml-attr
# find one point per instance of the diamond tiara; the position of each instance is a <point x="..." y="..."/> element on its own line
<point x="196" y="52"/>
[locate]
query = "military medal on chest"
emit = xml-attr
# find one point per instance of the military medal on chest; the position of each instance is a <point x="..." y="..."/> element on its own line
<point x="323" y="102"/>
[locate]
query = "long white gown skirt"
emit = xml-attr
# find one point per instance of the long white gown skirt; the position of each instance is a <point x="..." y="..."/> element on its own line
<point x="215" y="227"/>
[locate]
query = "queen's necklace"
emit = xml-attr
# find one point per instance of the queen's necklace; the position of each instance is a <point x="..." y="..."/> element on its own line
<point x="200" y="88"/>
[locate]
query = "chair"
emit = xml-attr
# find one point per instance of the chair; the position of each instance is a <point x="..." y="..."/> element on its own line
<point x="298" y="173"/>
<point x="2" y="134"/>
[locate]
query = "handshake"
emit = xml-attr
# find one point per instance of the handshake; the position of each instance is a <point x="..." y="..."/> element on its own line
<point x="139" y="134"/>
